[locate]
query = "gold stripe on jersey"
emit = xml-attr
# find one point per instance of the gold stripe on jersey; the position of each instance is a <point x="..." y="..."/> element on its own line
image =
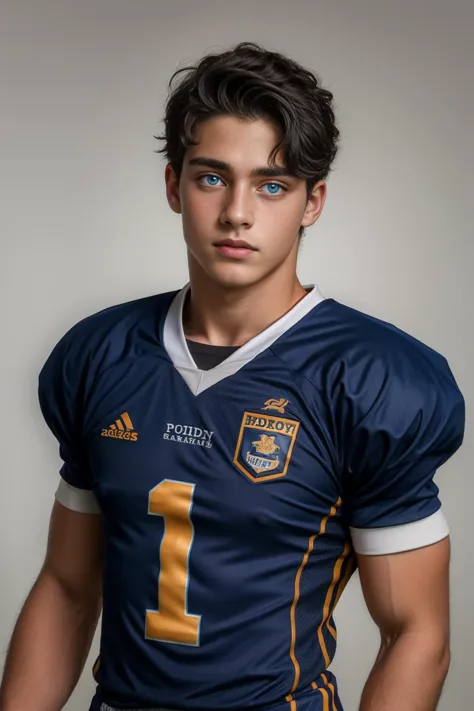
<point x="322" y="530"/>
<point x="327" y="610"/>
<point x="324" y="694"/>
<point x="350" y="567"/>
<point x="333" y="691"/>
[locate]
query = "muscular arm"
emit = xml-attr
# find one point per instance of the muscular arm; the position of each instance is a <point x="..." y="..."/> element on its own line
<point x="407" y="595"/>
<point x="56" y="626"/>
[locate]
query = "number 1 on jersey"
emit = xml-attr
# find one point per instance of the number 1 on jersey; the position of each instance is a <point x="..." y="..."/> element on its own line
<point x="173" y="501"/>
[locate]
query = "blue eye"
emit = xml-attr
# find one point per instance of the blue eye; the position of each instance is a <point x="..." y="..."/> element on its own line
<point x="274" y="185"/>
<point x="211" y="177"/>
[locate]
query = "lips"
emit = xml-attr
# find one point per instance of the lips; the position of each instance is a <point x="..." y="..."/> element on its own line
<point x="235" y="244"/>
<point x="235" y="249"/>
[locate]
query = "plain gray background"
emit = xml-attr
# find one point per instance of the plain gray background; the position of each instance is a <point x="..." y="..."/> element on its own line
<point x="85" y="222"/>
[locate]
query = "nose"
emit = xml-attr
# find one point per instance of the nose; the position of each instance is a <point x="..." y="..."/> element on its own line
<point x="238" y="210"/>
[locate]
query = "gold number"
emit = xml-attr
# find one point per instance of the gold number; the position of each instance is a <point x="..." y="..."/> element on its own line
<point x="173" y="501"/>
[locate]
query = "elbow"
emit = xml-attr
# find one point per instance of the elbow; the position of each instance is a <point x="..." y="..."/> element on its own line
<point x="429" y="651"/>
<point x="436" y="662"/>
<point x="444" y="660"/>
<point x="437" y="654"/>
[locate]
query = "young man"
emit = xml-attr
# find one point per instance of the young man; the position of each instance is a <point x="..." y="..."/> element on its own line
<point x="233" y="450"/>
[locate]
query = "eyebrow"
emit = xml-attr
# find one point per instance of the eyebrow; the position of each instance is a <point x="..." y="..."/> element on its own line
<point x="263" y="171"/>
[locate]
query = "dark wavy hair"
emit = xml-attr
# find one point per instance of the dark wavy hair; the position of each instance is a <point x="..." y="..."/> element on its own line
<point x="250" y="82"/>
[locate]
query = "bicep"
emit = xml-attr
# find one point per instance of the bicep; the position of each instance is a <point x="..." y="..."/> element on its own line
<point x="75" y="551"/>
<point x="408" y="591"/>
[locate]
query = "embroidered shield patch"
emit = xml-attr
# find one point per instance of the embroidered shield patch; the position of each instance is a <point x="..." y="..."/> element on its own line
<point x="265" y="446"/>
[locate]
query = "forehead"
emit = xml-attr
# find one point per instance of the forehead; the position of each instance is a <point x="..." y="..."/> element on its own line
<point x="243" y="143"/>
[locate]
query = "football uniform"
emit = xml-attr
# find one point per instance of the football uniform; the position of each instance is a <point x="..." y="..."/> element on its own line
<point x="235" y="493"/>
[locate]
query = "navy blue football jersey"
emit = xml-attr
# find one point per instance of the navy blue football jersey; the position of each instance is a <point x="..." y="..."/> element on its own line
<point x="234" y="499"/>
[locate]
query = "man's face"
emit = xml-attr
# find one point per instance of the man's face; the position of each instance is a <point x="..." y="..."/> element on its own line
<point x="227" y="205"/>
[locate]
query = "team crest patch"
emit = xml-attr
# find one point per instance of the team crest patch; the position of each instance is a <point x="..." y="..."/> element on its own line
<point x="265" y="446"/>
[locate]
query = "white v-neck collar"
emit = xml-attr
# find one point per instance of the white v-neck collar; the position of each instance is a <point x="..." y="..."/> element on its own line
<point x="174" y="341"/>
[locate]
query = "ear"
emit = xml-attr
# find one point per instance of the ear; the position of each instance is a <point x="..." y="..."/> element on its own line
<point x="315" y="204"/>
<point x="172" y="189"/>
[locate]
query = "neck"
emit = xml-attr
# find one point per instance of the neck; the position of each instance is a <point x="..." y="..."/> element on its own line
<point x="223" y="316"/>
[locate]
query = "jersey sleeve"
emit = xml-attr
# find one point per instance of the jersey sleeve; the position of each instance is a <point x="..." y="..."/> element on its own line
<point x="61" y="403"/>
<point x="407" y="420"/>
<point x="80" y="500"/>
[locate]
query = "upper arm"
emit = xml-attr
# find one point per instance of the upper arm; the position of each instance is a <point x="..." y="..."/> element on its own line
<point x="74" y="554"/>
<point x="75" y="541"/>
<point x="409" y="591"/>
<point x="406" y="420"/>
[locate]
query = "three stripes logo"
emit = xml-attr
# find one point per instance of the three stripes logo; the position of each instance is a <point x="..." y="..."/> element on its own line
<point x="121" y="429"/>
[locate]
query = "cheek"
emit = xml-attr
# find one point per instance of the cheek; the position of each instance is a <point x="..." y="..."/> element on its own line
<point x="285" y="217"/>
<point x="195" y="217"/>
<point x="198" y="210"/>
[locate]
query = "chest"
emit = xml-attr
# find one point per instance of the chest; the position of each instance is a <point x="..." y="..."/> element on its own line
<point x="248" y="456"/>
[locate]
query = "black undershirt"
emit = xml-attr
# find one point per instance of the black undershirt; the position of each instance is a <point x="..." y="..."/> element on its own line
<point x="206" y="356"/>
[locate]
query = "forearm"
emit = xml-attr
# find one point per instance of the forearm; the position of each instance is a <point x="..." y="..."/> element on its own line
<point x="408" y="674"/>
<point x="48" y="649"/>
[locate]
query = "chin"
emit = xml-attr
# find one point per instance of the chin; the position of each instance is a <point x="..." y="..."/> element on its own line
<point x="234" y="276"/>
<point x="226" y="274"/>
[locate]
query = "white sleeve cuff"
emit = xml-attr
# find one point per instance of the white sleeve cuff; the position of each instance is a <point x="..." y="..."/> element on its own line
<point x="81" y="500"/>
<point x="396" y="539"/>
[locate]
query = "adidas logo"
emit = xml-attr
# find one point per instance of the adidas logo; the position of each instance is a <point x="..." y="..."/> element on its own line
<point x="121" y="429"/>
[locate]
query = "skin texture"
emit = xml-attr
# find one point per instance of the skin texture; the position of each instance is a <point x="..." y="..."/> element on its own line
<point x="54" y="631"/>
<point x="407" y="595"/>
<point x="233" y="300"/>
